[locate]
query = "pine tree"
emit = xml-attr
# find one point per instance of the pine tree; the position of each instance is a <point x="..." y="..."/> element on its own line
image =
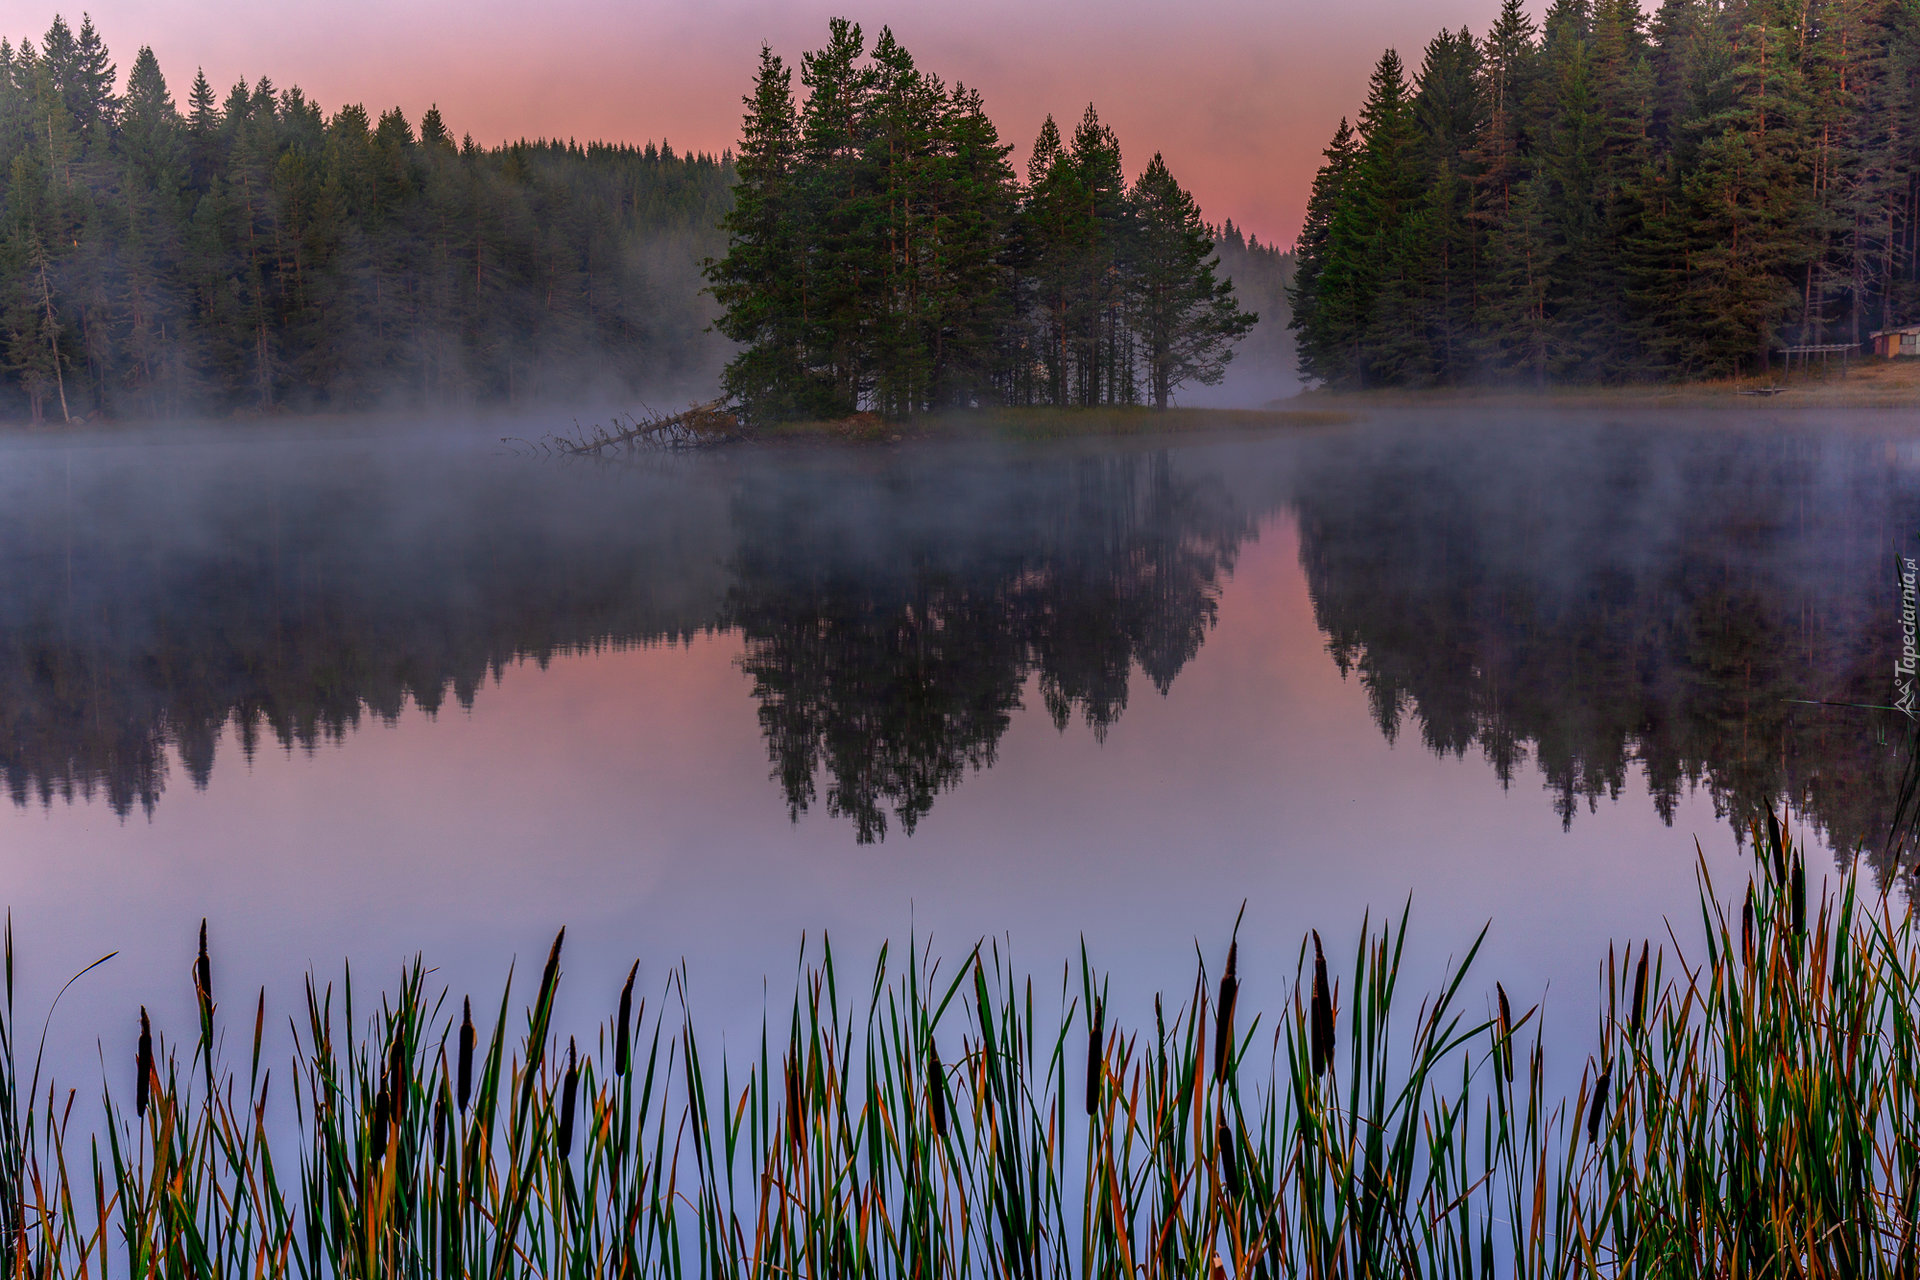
<point x="839" y="207"/>
<point x="1103" y="365"/>
<point x="1057" y="239"/>
<point x="970" y="297"/>
<point x="1187" y="319"/>
<point x="760" y="284"/>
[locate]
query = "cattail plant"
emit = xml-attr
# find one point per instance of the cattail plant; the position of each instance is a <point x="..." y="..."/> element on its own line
<point x="143" y="1066"/>
<point x="1748" y="1109"/>
<point x="1096" y="1055"/>
<point x="623" y="1034"/>
<point x="465" y="1088"/>
<point x="1322" y="1011"/>
<point x="1223" y="1014"/>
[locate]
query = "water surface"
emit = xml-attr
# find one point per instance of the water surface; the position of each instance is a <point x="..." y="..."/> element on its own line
<point x="353" y="696"/>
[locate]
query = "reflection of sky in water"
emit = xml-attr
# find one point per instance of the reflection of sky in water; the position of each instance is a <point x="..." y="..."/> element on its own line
<point x="626" y="794"/>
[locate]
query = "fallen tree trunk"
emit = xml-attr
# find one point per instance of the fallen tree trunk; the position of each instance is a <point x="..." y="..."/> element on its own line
<point x="702" y="426"/>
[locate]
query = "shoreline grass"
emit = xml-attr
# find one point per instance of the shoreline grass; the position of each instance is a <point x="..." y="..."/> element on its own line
<point x="1041" y="423"/>
<point x="1862" y="384"/>
<point x="1750" y="1106"/>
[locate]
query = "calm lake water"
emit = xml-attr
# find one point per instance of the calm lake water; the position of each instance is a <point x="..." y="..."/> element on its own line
<point x="353" y="696"/>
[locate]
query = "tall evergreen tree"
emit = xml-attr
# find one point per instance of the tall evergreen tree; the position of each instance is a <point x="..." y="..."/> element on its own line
<point x="1386" y="238"/>
<point x="1450" y="109"/>
<point x="1327" y="336"/>
<point x="760" y="283"/>
<point x="1186" y="317"/>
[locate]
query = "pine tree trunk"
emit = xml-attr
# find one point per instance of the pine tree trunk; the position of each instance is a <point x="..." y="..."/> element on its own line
<point x="53" y="341"/>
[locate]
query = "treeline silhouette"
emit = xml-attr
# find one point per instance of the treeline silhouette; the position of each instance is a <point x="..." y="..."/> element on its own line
<point x="883" y="256"/>
<point x="1264" y="366"/>
<point x="1609" y="196"/>
<point x="251" y="251"/>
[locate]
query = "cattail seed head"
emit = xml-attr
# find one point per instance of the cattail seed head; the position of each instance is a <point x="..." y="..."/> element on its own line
<point x="1799" y="899"/>
<point x="1639" y="1008"/>
<point x="1096" y="1055"/>
<point x="144" y="1066"/>
<point x="1322" y="1037"/>
<point x="620" y="1044"/>
<point x="570" y="1088"/>
<point x="203" y="972"/>
<point x="936" y="1090"/>
<point x="796" y="1126"/>
<point x="1229" y="1167"/>
<point x="466" y="1054"/>
<point x="1506" y="1032"/>
<point x="1746" y="929"/>
<point x="397" y="1081"/>
<point x="551" y="973"/>
<point x="1599" y="1110"/>
<point x="1160" y="1038"/>
<point x="1223" y="1017"/>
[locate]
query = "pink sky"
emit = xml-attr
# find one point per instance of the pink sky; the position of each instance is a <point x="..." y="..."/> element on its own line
<point x="1240" y="95"/>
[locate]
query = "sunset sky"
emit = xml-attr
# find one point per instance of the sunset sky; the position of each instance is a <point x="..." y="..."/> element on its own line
<point x="1240" y="95"/>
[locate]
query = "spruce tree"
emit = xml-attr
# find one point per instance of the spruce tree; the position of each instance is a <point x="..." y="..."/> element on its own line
<point x="1103" y="364"/>
<point x="969" y="291"/>
<point x="1449" y="107"/>
<point x="1385" y="240"/>
<point x="1319" y="307"/>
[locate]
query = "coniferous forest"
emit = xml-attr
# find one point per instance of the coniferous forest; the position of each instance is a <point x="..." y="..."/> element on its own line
<point x="1607" y="196"/>
<point x="884" y="256"/>
<point x="251" y="252"/>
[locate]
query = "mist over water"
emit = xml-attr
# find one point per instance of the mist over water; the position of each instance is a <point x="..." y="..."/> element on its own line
<point x="353" y="695"/>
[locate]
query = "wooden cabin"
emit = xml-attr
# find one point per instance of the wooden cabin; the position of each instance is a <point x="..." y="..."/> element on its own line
<point x="1892" y="343"/>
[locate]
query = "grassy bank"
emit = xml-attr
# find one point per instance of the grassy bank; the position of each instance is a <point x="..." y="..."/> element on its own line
<point x="1863" y="383"/>
<point x="1750" y="1107"/>
<point x="1054" y="424"/>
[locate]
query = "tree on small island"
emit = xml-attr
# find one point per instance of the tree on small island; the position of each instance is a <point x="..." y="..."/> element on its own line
<point x="882" y="255"/>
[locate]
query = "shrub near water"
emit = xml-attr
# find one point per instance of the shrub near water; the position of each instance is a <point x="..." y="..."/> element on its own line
<point x="1749" y="1108"/>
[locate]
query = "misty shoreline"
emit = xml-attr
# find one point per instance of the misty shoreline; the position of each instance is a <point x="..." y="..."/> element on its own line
<point x="1869" y="387"/>
<point x="518" y="430"/>
<point x="1867" y="384"/>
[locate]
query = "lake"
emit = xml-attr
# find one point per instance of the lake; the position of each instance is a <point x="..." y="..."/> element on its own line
<point x="353" y="694"/>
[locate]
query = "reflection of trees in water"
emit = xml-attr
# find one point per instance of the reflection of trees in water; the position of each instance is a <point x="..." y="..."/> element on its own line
<point x="288" y="612"/>
<point x="1594" y="602"/>
<point x="1653" y="601"/>
<point x="888" y="650"/>
<point x="891" y="618"/>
